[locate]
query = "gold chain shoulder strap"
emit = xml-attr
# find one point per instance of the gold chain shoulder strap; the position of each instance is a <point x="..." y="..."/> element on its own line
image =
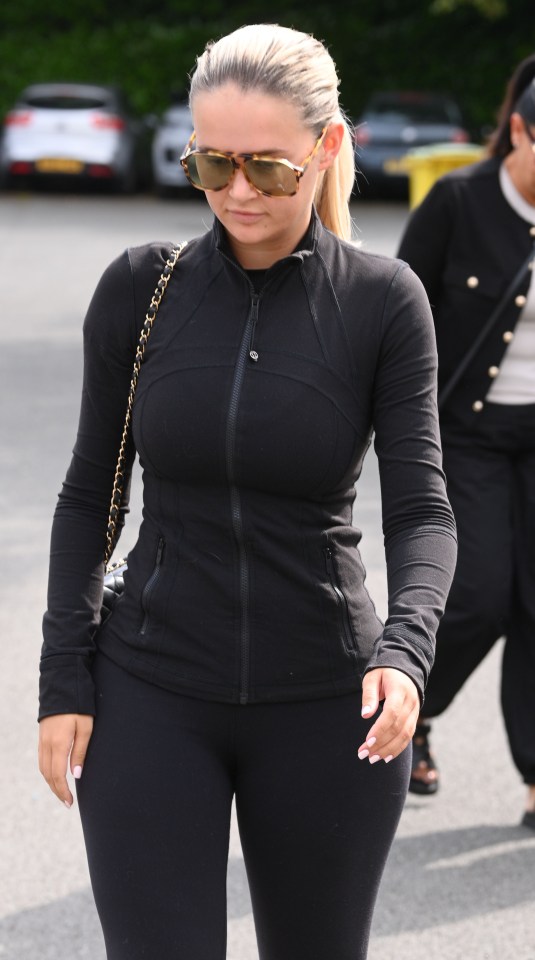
<point x="118" y="483"/>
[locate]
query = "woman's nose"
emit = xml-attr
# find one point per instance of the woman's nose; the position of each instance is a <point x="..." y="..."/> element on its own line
<point x="240" y="186"/>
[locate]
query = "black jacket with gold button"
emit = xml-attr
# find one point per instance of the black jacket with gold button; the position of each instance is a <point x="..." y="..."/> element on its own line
<point x="466" y="243"/>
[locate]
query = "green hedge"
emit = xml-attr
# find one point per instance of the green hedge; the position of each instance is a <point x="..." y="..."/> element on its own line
<point x="377" y="44"/>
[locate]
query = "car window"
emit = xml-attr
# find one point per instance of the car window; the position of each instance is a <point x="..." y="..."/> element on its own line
<point x="422" y="111"/>
<point x="65" y="102"/>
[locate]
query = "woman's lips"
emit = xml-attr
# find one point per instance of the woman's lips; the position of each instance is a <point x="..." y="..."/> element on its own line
<point x="245" y="216"/>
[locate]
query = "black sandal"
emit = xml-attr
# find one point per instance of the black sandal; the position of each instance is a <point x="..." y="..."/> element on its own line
<point x="424" y="775"/>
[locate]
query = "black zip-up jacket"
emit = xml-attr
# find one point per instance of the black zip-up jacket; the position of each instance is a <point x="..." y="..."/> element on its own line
<point x="246" y="583"/>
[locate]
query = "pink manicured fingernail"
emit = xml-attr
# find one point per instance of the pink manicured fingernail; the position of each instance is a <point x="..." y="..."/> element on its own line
<point x="388" y="759"/>
<point x="371" y="741"/>
<point x="67" y="804"/>
<point x="375" y="758"/>
<point x="77" y="772"/>
<point x="366" y="710"/>
<point x="362" y="754"/>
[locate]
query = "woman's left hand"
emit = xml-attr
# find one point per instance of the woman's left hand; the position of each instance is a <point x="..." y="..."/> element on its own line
<point x="393" y="729"/>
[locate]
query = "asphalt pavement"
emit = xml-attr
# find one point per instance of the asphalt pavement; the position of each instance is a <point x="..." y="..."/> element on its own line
<point x="460" y="882"/>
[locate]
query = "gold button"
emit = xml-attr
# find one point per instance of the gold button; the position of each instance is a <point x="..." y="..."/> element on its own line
<point x="493" y="371"/>
<point x="532" y="231"/>
<point x="472" y="282"/>
<point x="507" y="336"/>
<point x="477" y="406"/>
<point x="520" y="300"/>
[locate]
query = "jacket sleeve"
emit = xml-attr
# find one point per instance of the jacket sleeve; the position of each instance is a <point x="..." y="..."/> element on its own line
<point x="78" y="536"/>
<point x="424" y="243"/>
<point x="418" y="524"/>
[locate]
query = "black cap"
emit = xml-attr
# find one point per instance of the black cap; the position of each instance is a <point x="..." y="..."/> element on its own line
<point x="525" y="105"/>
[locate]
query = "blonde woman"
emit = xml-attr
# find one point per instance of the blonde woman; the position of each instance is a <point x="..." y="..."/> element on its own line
<point x="245" y="658"/>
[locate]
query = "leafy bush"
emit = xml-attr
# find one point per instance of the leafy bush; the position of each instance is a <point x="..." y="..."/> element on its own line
<point x="469" y="49"/>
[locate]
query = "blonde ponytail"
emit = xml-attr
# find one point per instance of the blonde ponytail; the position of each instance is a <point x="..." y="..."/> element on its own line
<point x="335" y="188"/>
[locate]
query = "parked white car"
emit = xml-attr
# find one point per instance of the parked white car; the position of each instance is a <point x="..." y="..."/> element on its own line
<point x="171" y="136"/>
<point x="74" y="131"/>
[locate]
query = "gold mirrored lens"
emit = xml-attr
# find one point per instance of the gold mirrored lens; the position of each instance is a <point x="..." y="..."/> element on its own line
<point x="271" y="177"/>
<point x="209" y="172"/>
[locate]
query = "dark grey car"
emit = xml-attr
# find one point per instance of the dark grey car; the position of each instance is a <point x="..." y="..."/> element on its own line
<point x="393" y="123"/>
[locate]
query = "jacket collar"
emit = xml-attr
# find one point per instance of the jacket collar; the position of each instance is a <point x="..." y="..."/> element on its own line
<point x="305" y="248"/>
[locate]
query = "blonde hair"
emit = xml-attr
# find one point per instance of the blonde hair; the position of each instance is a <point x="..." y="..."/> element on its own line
<point x="285" y="63"/>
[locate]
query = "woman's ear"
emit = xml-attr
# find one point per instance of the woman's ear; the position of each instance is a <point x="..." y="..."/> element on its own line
<point x="332" y="142"/>
<point x="516" y="128"/>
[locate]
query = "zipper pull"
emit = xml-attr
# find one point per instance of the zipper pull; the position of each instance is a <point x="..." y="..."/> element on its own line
<point x="253" y="354"/>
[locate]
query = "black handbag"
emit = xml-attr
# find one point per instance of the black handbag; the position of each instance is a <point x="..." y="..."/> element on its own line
<point x="114" y="572"/>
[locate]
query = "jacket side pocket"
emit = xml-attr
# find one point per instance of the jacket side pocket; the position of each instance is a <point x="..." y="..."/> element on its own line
<point x="342" y="606"/>
<point x="149" y="587"/>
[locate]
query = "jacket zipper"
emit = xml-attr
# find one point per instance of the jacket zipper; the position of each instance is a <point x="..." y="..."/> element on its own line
<point x="235" y="499"/>
<point x="349" y="641"/>
<point x="149" y="586"/>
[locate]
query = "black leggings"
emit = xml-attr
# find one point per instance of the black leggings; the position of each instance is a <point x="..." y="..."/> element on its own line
<point x="490" y="472"/>
<point x="316" y="824"/>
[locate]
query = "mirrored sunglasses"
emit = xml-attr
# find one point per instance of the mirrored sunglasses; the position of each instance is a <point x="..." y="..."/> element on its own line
<point x="211" y="170"/>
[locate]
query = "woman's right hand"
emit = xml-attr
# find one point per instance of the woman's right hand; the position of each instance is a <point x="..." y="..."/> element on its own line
<point x="61" y="736"/>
